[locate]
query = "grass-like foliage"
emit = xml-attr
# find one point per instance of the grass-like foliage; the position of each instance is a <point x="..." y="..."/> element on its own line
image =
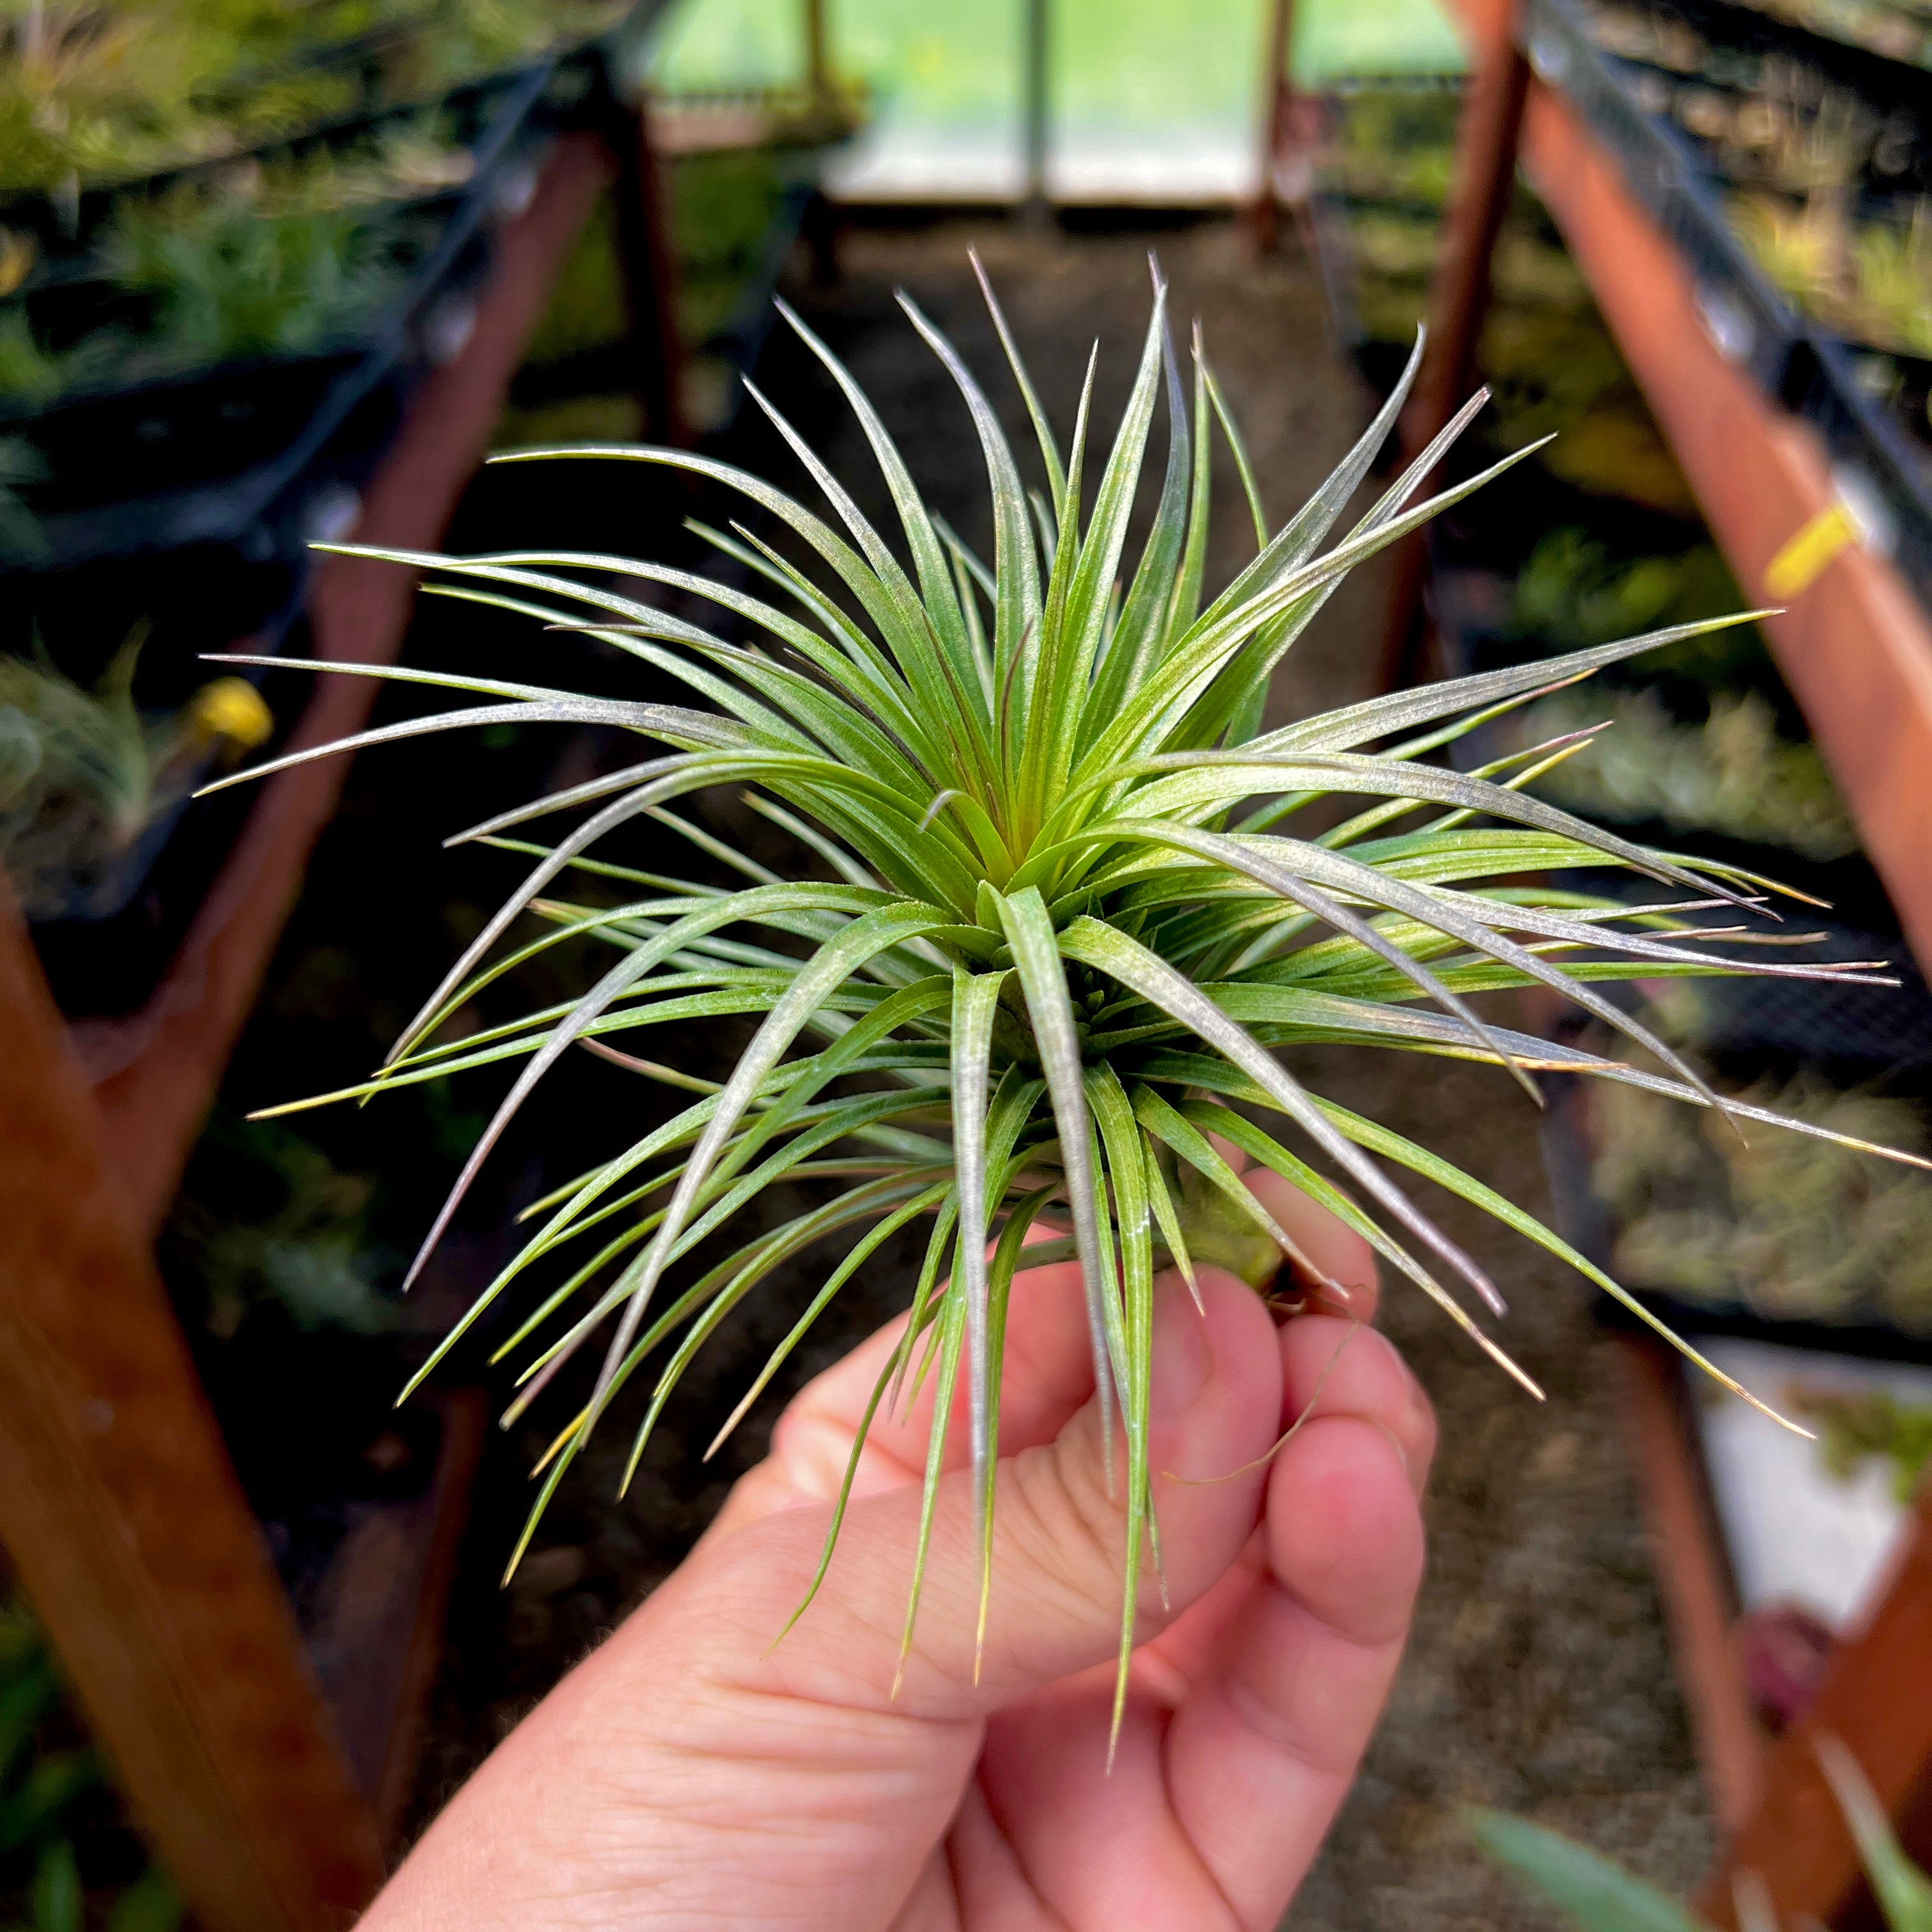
<point x="1074" y="920"/>
<point x="1594" y="1895"/>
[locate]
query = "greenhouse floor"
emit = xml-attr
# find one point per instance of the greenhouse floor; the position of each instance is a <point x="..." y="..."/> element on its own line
<point x="1539" y="1678"/>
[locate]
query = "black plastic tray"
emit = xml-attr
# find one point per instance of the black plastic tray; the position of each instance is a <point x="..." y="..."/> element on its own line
<point x="1752" y="322"/>
<point x="62" y="223"/>
<point x="1741" y="38"/>
<point x="1848" y="887"/>
<point x="1588" y="1225"/>
<point x="220" y="481"/>
<point x="252" y="454"/>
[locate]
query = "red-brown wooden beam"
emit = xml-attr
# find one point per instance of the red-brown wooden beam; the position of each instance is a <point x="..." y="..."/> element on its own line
<point x="1876" y="1699"/>
<point x="168" y="1059"/>
<point x="118" y="1504"/>
<point x="122" y="1516"/>
<point x="1699" y="1603"/>
<point x="1487" y="136"/>
<point x="647" y="255"/>
<point x="1277" y="101"/>
<point x="1854" y="647"/>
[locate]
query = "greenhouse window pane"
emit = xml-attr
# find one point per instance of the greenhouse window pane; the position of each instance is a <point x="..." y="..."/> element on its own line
<point x="1152" y="101"/>
<point x="1155" y="102"/>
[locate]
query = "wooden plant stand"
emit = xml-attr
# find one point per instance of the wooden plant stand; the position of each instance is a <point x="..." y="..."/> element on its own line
<point x="1854" y="647"/>
<point x="118" y="1506"/>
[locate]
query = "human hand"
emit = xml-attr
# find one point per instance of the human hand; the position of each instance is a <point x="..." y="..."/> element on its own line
<point x="689" y="1774"/>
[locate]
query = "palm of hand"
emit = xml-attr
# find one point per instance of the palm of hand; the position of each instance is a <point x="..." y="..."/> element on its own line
<point x="688" y="1773"/>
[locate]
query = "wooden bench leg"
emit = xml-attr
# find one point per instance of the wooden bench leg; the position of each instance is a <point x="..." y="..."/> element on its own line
<point x="1876" y="1700"/>
<point x="1486" y="152"/>
<point x="123" y="1518"/>
<point x="649" y="258"/>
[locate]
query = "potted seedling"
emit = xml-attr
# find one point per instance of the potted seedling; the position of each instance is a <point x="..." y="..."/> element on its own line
<point x="1077" y="906"/>
<point x="90" y="786"/>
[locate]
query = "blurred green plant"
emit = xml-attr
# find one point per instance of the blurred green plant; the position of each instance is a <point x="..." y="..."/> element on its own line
<point x="1574" y="591"/>
<point x="97" y="91"/>
<point x="417" y="156"/>
<point x="22" y="466"/>
<point x="223" y="281"/>
<point x="228" y="281"/>
<point x="1809" y="1230"/>
<point x="1856" y="1427"/>
<point x="724" y="208"/>
<point x="83" y="773"/>
<point x="1869" y="280"/>
<point x="53" y="1799"/>
<point x="1392" y="143"/>
<point x="287" y="1229"/>
<point x="1733" y="774"/>
<point x="1595" y="1895"/>
<point x="29" y="374"/>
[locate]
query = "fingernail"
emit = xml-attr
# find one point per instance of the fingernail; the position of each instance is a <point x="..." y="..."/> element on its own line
<point x="1182" y="1360"/>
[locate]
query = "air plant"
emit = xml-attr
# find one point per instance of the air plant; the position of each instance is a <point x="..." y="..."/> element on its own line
<point x="229" y="281"/>
<point x="1808" y="1230"/>
<point x="1732" y="774"/>
<point x="83" y="774"/>
<point x="1077" y="907"/>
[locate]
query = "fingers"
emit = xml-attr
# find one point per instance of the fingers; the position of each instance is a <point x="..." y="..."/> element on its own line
<point x="1058" y="1541"/>
<point x="1275" y="1731"/>
<point x="1335" y="1249"/>
<point x="1330" y="1367"/>
<point x="1047" y="1374"/>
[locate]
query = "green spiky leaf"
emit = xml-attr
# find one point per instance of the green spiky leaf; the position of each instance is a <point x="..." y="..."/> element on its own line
<point x="1075" y="916"/>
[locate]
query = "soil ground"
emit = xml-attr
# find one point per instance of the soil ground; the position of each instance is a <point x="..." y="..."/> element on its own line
<point x="1539" y="1678"/>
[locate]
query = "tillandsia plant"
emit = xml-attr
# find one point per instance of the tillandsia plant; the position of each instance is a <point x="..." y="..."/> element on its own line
<point x="1072" y="920"/>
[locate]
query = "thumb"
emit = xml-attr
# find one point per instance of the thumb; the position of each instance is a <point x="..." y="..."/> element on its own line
<point x="1059" y="1539"/>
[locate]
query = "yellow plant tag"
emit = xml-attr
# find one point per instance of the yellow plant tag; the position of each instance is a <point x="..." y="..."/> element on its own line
<point x="1804" y="560"/>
